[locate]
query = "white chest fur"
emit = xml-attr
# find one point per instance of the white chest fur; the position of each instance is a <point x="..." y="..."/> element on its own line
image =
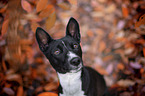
<point x="71" y="84"/>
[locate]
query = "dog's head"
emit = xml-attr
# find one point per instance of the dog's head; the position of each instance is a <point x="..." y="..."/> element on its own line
<point x="65" y="54"/>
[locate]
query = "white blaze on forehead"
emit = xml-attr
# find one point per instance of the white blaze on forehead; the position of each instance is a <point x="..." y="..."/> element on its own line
<point x="71" y="55"/>
<point x="64" y="44"/>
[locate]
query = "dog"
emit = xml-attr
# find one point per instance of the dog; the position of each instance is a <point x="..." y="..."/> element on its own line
<point x="65" y="56"/>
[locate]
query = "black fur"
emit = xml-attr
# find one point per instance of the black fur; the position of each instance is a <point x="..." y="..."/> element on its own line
<point x="93" y="83"/>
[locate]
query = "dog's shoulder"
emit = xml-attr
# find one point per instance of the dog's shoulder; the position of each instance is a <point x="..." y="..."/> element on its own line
<point x="96" y="82"/>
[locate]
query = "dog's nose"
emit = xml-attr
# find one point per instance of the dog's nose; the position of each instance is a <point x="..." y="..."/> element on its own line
<point x="75" y="61"/>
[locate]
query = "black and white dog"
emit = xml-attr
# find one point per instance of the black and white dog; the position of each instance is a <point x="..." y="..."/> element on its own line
<point x="65" y="55"/>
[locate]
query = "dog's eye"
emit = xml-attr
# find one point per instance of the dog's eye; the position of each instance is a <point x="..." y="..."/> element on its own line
<point x="75" y="46"/>
<point x="56" y="52"/>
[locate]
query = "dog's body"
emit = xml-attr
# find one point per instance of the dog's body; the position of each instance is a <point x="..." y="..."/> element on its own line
<point x="65" y="55"/>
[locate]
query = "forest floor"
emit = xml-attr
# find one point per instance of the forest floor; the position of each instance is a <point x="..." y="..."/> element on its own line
<point x="112" y="40"/>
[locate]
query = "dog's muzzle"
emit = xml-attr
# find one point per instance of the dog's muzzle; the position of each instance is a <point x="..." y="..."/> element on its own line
<point x="75" y="61"/>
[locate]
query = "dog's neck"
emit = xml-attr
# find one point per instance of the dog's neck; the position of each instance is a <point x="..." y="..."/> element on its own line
<point x="71" y="84"/>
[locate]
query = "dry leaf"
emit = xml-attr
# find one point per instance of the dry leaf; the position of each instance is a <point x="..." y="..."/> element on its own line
<point x="2" y="10"/>
<point x="135" y="65"/>
<point x="73" y="2"/>
<point x="125" y="11"/>
<point x="102" y="46"/>
<point x="107" y="58"/>
<point x="90" y="33"/>
<point x="50" y="21"/>
<point x="120" y="66"/>
<point x="50" y="86"/>
<point x="9" y="91"/>
<point x="47" y="11"/>
<point x="41" y="5"/>
<point x="141" y="21"/>
<point x="144" y="51"/>
<point x="125" y="83"/>
<point x="64" y="6"/>
<point x="48" y="94"/>
<point x="5" y="26"/>
<point x="34" y="26"/>
<point x="26" y="6"/>
<point x="20" y="91"/>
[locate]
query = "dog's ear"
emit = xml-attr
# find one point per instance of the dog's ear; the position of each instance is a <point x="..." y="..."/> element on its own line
<point x="43" y="38"/>
<point x="73" y="30"/>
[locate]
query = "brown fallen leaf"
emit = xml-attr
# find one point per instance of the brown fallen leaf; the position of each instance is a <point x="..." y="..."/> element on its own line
<point x="125" y="11"/>
<point x="41" y="5"/>
<point x="5" y="26"/>
<point x="102" y="46"/>
<point x="26" y="6"/>
<point x="120" y="66"/>
<point x="50" y="21"/>
<point x="48" y="94"/>
<point x="20" y="91"/>
<point x="65" y="6"/>
<point x="141" y="21"/>
<point x="34" y="26"/>
<point x="144" y="51"/>
<point x="47" y="11"/>
<point x="73" y="2"/>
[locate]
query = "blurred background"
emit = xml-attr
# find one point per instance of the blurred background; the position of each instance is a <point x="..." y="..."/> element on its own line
<point x="112" y="40"/>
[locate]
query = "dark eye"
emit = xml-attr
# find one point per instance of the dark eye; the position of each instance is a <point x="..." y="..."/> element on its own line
<point x="56" y="52"/>
<point x="75" y="46"/>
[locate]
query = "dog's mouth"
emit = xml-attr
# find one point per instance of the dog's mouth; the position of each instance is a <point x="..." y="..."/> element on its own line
<point x="76" y="69"/>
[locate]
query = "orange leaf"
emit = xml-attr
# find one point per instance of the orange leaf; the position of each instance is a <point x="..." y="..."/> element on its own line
<point x="144" y="51"/>
<point x="20" y="91"/>
<point x="50" y="21"/>
<point x="140" y="41"/>
<point x="5" y="26"/>
<point x="64" y="6"/>
<point x="47" y="11"/>
<point x="141" y="21"/>
<point x="90" y="33"/>
<point x="34" y="26"/>
<point x="107" y="58"/>
<point x="2" y="10"/>
<point x="73" y="2"/>
<point x="48" y="94"/>
<point x="120" y="66"/>
<point x="102" y="46"/>
<point x="41" y="5"/>
<point x="125" y="11"/>
<point x="26" y="6"/>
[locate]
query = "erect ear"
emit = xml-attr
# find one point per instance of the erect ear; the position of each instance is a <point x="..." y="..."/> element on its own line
<point x="43" y="38"/>
<point x="73" y="30"/>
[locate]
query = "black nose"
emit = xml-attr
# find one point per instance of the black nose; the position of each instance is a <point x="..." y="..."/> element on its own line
<point x="75" y="61"/>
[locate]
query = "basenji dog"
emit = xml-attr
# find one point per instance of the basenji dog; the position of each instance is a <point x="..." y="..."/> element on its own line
<point x="65" y="56"/>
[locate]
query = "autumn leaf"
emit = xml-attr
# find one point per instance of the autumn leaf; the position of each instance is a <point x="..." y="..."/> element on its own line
<point x="20" y="91"/>
<point x="73" y="2"/>
<point x="120" y="66"/>
<point x="90" y="33"/>
<point x="64" y="6"/>
<point x="141" y="21"/>
<point x="47" y="11"/>
<point x="50" y="21"/>
<point x="47" y="94"/>
<point x="2" y="10"/>
<point x="102" y="46"/>
<point x="144" y="51"/>
<point x="5" y="26"/>
<point x="26" y="6"/>
<point x="41" y="5"/>
<point x="125" y="11"/>
<point x="34" y="26"/>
